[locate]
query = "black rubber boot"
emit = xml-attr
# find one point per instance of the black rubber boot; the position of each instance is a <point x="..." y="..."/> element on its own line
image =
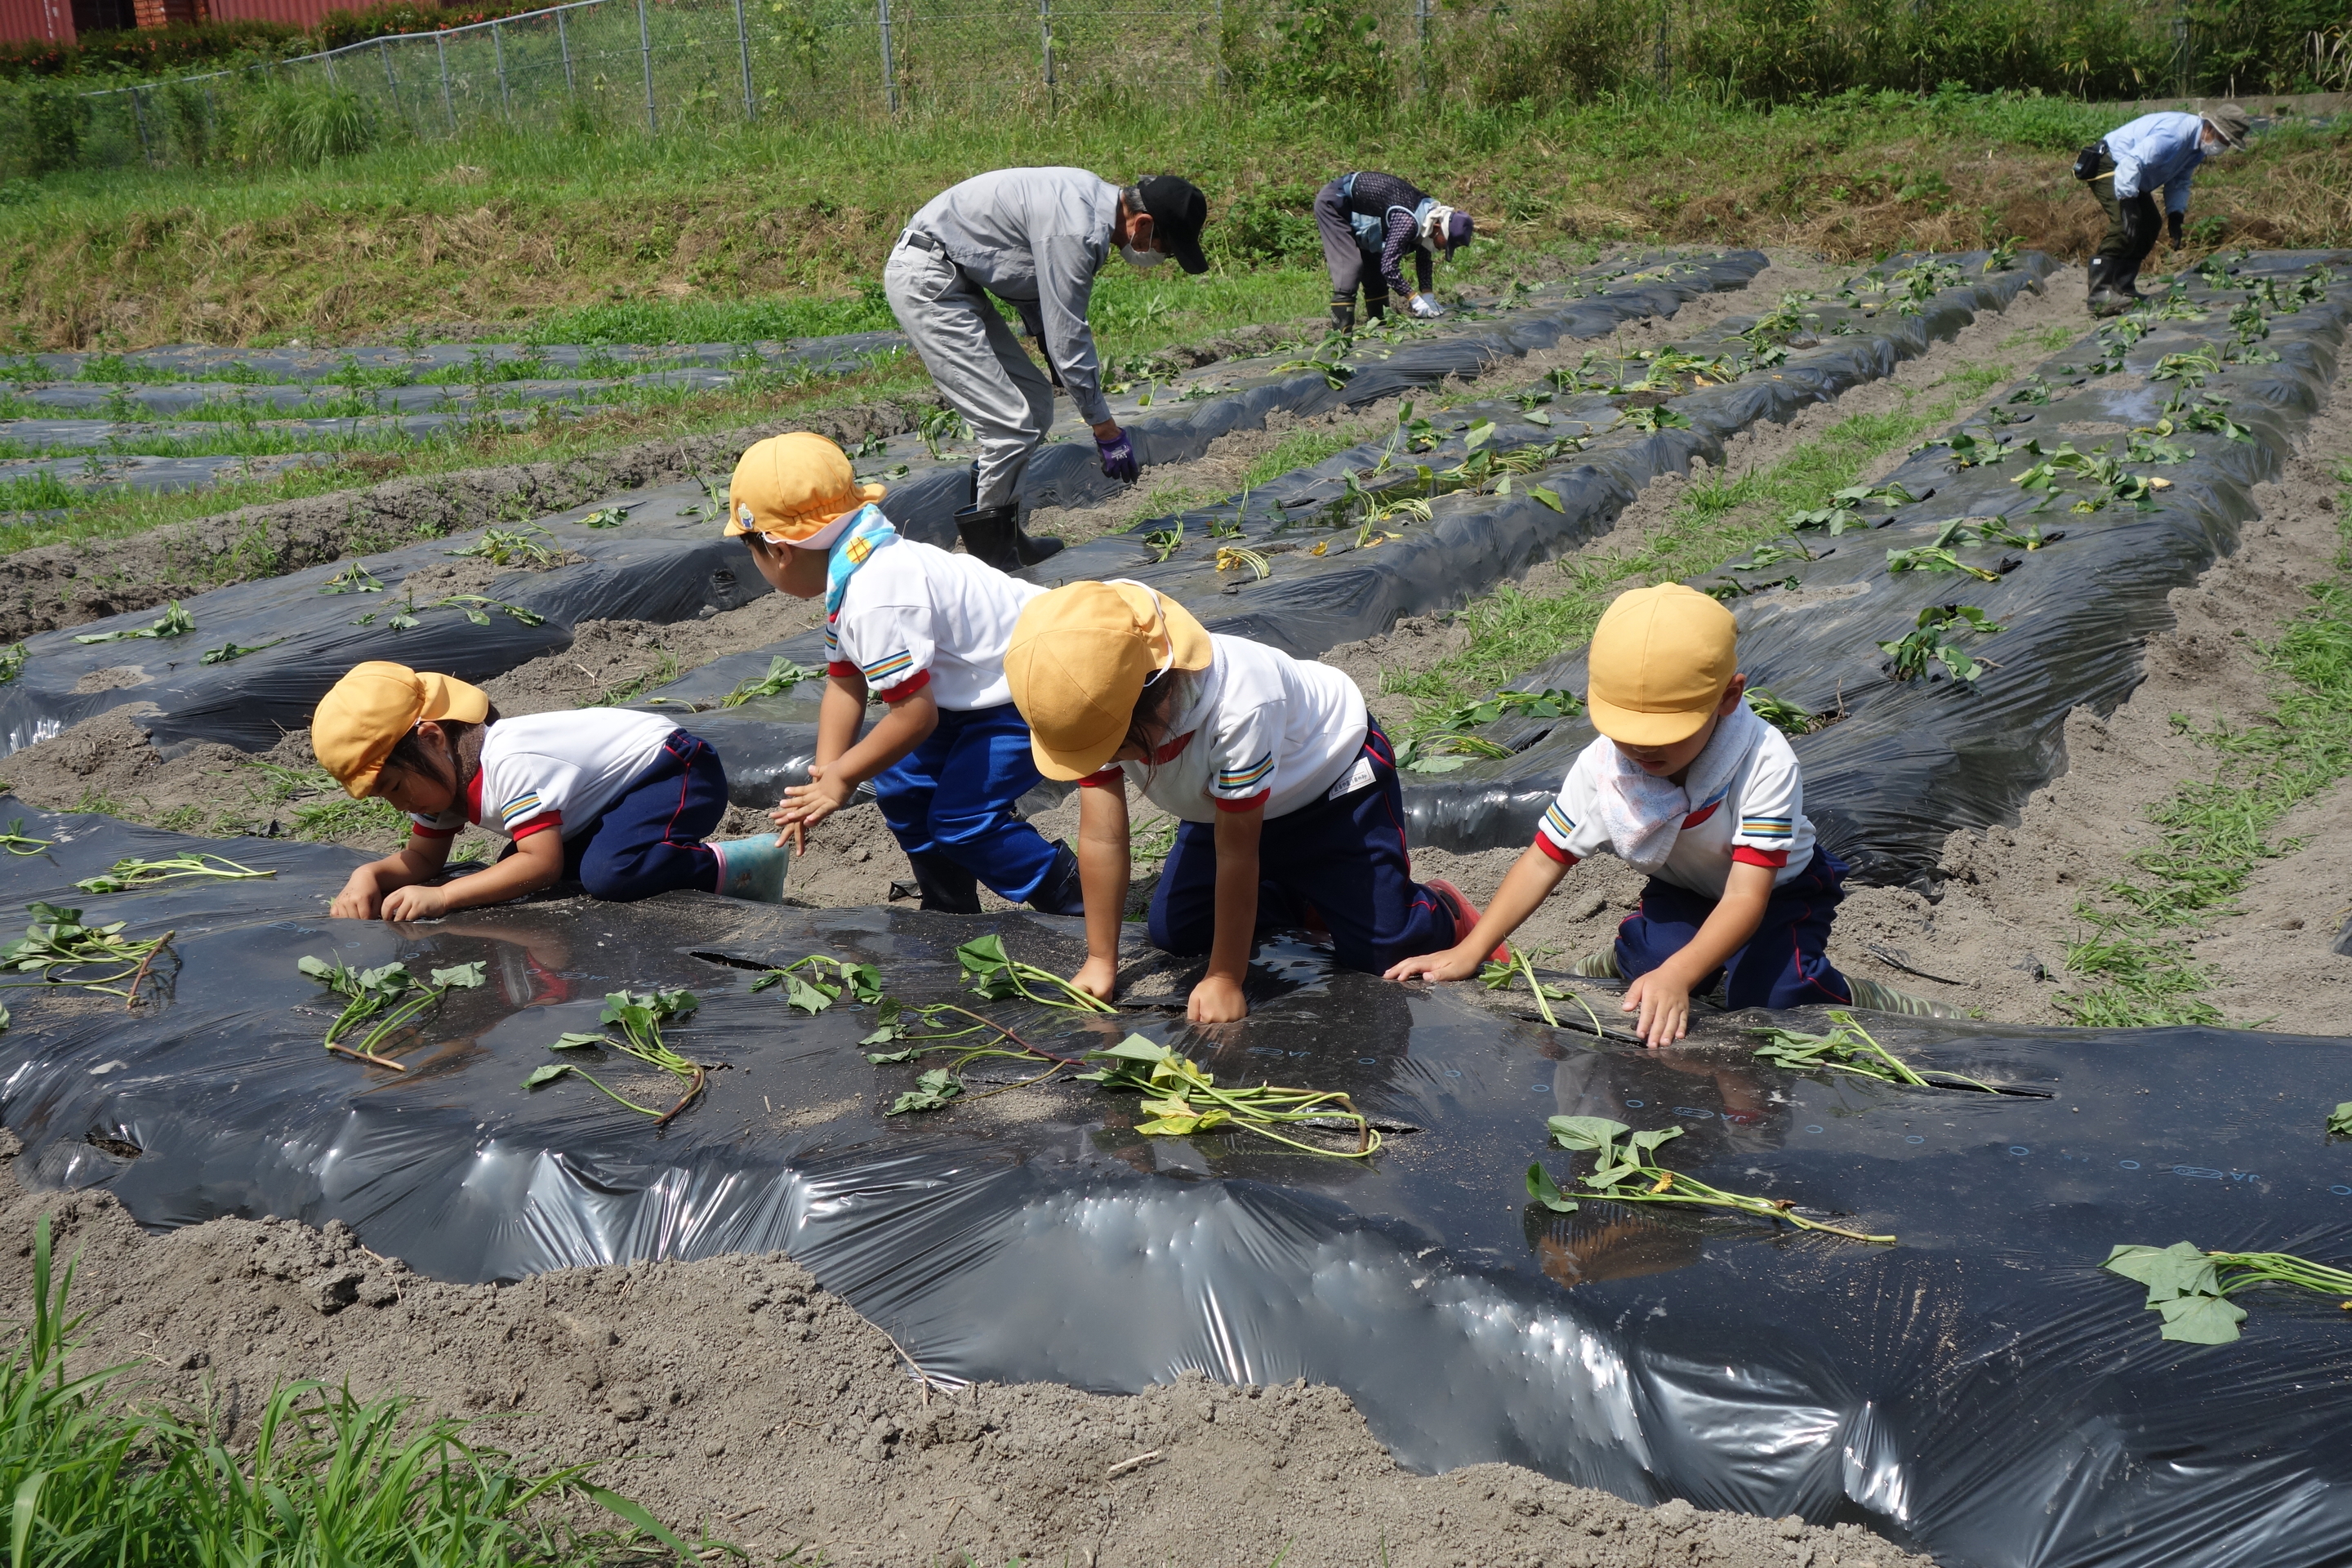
<point x="2098" y="294"/>
<point x="947" y="888"/>
<point x="1059" y="893"/>
<point x="1376" y="309"/>
<point x="1343" y="315"/>
<point x="994" y="535"/>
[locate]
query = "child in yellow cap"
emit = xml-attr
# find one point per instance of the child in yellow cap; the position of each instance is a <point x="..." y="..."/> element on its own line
<point x="1686" y="784"/>
<point x="615" y="800"/>
<point x="1282" y="784"/>
<point x="925" y="630"/>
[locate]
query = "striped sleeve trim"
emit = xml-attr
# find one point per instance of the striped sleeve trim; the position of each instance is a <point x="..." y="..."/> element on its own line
<point x="889" y="670"/>
<point x="520" y="809"/>
<point x="1556" y="826"/>
<point x="1767" y="828"/>
<point x="1247" y="780"/>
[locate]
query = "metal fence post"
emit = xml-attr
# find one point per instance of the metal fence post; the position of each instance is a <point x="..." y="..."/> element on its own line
<point x="498" y="43"/>
<point x="1045" y="32"/>
<point x="1223" y="81"/>
<point x="744" y="44"/>
<point x="646" y="43"/>
<point x="138" y="117"/>
<point x="1421" y="47"/>
<point x="889" y="74"/>
<point x="1663" y="63"/>
<point x="441" y="42"/>
<point x="563" y="42"/>
<point x="2183" y="48"/>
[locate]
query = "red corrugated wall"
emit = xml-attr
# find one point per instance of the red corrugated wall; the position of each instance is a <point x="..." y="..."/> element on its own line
<point x="296" y="13"/>
<point x="52" y="20"/>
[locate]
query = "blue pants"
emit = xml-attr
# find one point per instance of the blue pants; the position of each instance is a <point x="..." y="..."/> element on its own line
<point x="1345" y="859"/>
<point x="1784" y="964"/>
<point x="954" y="794"/>
<point x="650" y="840"/>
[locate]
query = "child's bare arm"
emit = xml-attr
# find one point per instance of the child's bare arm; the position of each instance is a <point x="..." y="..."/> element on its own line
<point x="1661" y="997"/>
<point x="1217" y="999"/>
<point x="537" y="862"/>
<point x="1529" y="881"/>
<point x="907" y="726"/>
<point x="1103" y="854"/>
<point x="418" y="861"/>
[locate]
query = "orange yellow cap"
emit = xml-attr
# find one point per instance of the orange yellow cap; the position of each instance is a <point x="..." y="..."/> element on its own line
<point x="1660" y="661"/>
<point x="358" y="723"/>
<point x="1078" y="660"/>
<point x="795" y="489"/>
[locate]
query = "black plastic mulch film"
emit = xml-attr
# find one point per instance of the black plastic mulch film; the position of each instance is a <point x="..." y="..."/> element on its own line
<point x="1912" y="761"/>
<point x="1981" y="1391"/>
<point x="1323" y="587"/>
<point x="666" y="561"/>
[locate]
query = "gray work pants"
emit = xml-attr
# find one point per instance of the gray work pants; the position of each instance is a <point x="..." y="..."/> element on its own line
<point x="978" y="364"/>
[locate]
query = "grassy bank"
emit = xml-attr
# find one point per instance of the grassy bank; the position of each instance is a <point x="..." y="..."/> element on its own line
<point x="2135" y="956"/>
<point x="781" y="230"/>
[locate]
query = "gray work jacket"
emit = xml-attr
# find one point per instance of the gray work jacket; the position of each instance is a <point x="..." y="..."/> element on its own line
<point x="1035" y="239"/>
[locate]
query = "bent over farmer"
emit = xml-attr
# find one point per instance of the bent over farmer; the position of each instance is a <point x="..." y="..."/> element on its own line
<point x="1034" y="238"/>
<point x="2153" y="152"/>
<point x="1368" y="222"/>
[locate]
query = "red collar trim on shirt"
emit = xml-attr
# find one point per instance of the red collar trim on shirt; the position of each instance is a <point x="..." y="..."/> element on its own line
<point x="1175" y="748"/>
<point x="474" y="798"/>
<point x="1701" y="814"/>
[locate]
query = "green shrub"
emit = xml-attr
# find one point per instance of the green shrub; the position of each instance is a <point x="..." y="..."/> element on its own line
<point x="300" y="125"/>
<point x="56" y="117"/>
<point x="152" y="52"/>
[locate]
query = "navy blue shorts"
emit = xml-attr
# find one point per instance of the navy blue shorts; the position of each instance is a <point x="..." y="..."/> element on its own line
<point x="1784" y="964"/>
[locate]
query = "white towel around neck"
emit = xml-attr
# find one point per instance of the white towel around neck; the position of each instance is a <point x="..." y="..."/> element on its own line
<point x="1644" y="813"/>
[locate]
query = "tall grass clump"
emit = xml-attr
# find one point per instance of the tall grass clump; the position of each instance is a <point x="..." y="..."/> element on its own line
<point x="94" y="1476"/>
<point x="303" y="125"/>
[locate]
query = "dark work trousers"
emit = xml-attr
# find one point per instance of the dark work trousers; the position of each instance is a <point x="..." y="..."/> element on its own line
<point x="1344" y="859"/>
<point x="2133" y="224"/>
<point x="954" y="796"/>
<point x="1343" y="254"/>
<point x="651" y="840"/>
<point x="1784" y="964"/>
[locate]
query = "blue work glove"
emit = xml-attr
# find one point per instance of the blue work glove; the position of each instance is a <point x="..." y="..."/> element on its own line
<point x="1118" y="457"/>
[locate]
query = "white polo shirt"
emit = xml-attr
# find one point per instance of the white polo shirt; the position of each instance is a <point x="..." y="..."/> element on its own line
<point x="1257" y="728"/>
<point x="917" y="616"/>
<point x="558" y="770"/>
<point x="1756" y="816"/>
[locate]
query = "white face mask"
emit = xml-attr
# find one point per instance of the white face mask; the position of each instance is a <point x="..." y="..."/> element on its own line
<point x="1144" y="259"/>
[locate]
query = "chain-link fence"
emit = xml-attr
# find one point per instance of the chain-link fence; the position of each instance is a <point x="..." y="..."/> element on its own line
<point x="673" y="66"/>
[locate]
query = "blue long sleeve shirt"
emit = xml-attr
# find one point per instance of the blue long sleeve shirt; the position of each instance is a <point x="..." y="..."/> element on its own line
<point x="2157" y="150"/>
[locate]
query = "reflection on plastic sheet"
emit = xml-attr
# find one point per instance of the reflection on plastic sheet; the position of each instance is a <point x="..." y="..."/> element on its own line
<point x="1981" y="1391"/>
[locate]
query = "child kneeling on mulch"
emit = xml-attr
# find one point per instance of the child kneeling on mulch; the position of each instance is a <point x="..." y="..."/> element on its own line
<point x="1686" y="784"/>
<point x="615" y="800"/>
<point x="924" y="629"/>
<point x="1284" y="785"/>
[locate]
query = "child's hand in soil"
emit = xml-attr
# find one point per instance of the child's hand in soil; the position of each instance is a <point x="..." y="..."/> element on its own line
<point x="806" y="805"/>
<point x="418" y="903"/>
<point x="1098" y="977"/>
<point x="1664" y="1006"/>
<point x="1216" y="1000"/>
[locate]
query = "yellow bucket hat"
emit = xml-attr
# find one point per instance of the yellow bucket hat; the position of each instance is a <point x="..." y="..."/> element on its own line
<point x="1660" y="661"/>
<point x="1078" y="660"/>
<point x="358" y="723"/>
<point x="795" y="489"/>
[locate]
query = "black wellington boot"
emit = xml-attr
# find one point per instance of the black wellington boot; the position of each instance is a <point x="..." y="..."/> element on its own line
<point x="947" y="888"/>
<point x="994" y="535"/>
<point x="1343" y="317"/>
<point x="1059" y="893"/>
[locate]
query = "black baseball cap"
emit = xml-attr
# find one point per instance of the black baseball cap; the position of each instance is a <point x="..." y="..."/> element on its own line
<point x="1178" y="211"/>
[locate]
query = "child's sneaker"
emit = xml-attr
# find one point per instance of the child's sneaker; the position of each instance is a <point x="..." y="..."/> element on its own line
<point x="1466" y="917"/>
<point x="1879" y="998"/>
<point x="752" y="867"/>
<point x="1600" y="966"/>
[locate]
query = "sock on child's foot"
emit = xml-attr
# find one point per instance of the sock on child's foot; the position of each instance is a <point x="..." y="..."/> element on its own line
<point x="752" y="867"/>
<point x="1600" y="966"/>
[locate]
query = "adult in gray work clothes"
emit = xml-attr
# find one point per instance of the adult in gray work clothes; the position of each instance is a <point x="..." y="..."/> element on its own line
<point x="1034" y="238"/>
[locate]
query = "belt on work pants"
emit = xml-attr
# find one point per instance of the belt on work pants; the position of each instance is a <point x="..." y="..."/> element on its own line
<point x="922" y="241"/>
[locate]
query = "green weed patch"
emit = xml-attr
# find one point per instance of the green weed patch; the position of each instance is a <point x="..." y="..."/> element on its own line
<point x="2134" y="956"/>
